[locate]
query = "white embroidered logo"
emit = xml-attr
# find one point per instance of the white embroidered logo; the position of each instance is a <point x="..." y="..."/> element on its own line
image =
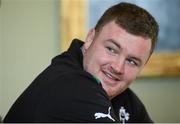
<point x="102" y="115"/>
<point x="123" y="115"/>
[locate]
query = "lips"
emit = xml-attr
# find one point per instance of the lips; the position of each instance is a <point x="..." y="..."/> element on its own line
<point x="111" y="76"/>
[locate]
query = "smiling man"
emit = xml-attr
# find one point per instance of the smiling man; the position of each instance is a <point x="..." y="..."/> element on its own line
<point x="115" y="57"/>
<point x="89" y="82"/>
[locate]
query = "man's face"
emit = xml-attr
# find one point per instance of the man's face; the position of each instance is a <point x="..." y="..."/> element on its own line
<point x="115" y="57"/>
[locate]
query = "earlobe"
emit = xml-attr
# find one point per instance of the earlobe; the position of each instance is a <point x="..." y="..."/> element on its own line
<point x="89" y="39"/>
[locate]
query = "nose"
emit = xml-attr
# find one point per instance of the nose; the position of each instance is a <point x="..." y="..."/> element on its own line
<point x="118" y="66"/>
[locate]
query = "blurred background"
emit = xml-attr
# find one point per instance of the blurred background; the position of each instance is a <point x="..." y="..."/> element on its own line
<point x="32" y="32"/>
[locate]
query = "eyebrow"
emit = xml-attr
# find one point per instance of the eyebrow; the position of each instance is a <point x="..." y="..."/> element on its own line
<point x="114" y="42"/>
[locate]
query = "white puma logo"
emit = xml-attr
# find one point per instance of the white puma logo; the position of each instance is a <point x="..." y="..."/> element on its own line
<point x="102" y="115"/>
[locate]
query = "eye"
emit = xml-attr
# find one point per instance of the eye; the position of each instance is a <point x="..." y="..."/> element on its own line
<point x="110" y="49"/>
<point x="132" y="62"/>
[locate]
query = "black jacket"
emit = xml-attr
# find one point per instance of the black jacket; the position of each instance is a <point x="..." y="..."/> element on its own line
<point x="64" y="92"/>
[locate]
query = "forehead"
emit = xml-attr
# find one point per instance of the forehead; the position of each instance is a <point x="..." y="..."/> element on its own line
<point x="112" y="27"/>
<point x="113" y="30"/>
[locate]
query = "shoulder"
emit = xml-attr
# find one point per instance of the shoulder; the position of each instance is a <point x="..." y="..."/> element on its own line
<point x="73" y="82"/>
<point x="128" y="96"/>
<point x="74" y="97"/>
<point x="79" y="82"/>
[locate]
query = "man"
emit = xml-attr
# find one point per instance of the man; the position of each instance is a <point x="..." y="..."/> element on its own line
<point x="89" y="82"/>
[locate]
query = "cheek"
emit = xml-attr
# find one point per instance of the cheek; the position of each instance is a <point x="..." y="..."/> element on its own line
<point x="103" y="60"/>
<point x="92" y="61"/>
<point x="99" y="57"/>
<point x="131" y="74"/>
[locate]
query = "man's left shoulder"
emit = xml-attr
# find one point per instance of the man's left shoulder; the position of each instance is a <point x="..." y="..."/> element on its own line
<point x="129" y="107"/>
<point x="127" y="96"/>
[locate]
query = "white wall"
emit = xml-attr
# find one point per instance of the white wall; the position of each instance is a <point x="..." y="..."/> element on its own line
<point x="29" y="39"/>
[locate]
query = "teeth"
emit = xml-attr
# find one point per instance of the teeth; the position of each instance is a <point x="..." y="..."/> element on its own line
<point x="109" y="76"/>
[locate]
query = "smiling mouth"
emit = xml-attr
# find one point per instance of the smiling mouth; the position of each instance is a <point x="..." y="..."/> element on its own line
<point x="112" y="77"/>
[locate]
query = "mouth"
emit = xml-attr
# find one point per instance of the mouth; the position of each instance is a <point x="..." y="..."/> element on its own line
<point x="111" y="76"/>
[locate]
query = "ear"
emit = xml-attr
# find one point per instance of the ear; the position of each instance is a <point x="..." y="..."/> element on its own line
<point x="89" y="39"/>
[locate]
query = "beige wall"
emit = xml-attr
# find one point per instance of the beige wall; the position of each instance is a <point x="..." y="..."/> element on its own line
<point x="0" y="60"/>
<point x="161" y="97"/>
<point x="29" y="39"/>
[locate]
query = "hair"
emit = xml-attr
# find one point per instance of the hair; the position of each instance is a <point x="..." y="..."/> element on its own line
<point x="133" y="19"/>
